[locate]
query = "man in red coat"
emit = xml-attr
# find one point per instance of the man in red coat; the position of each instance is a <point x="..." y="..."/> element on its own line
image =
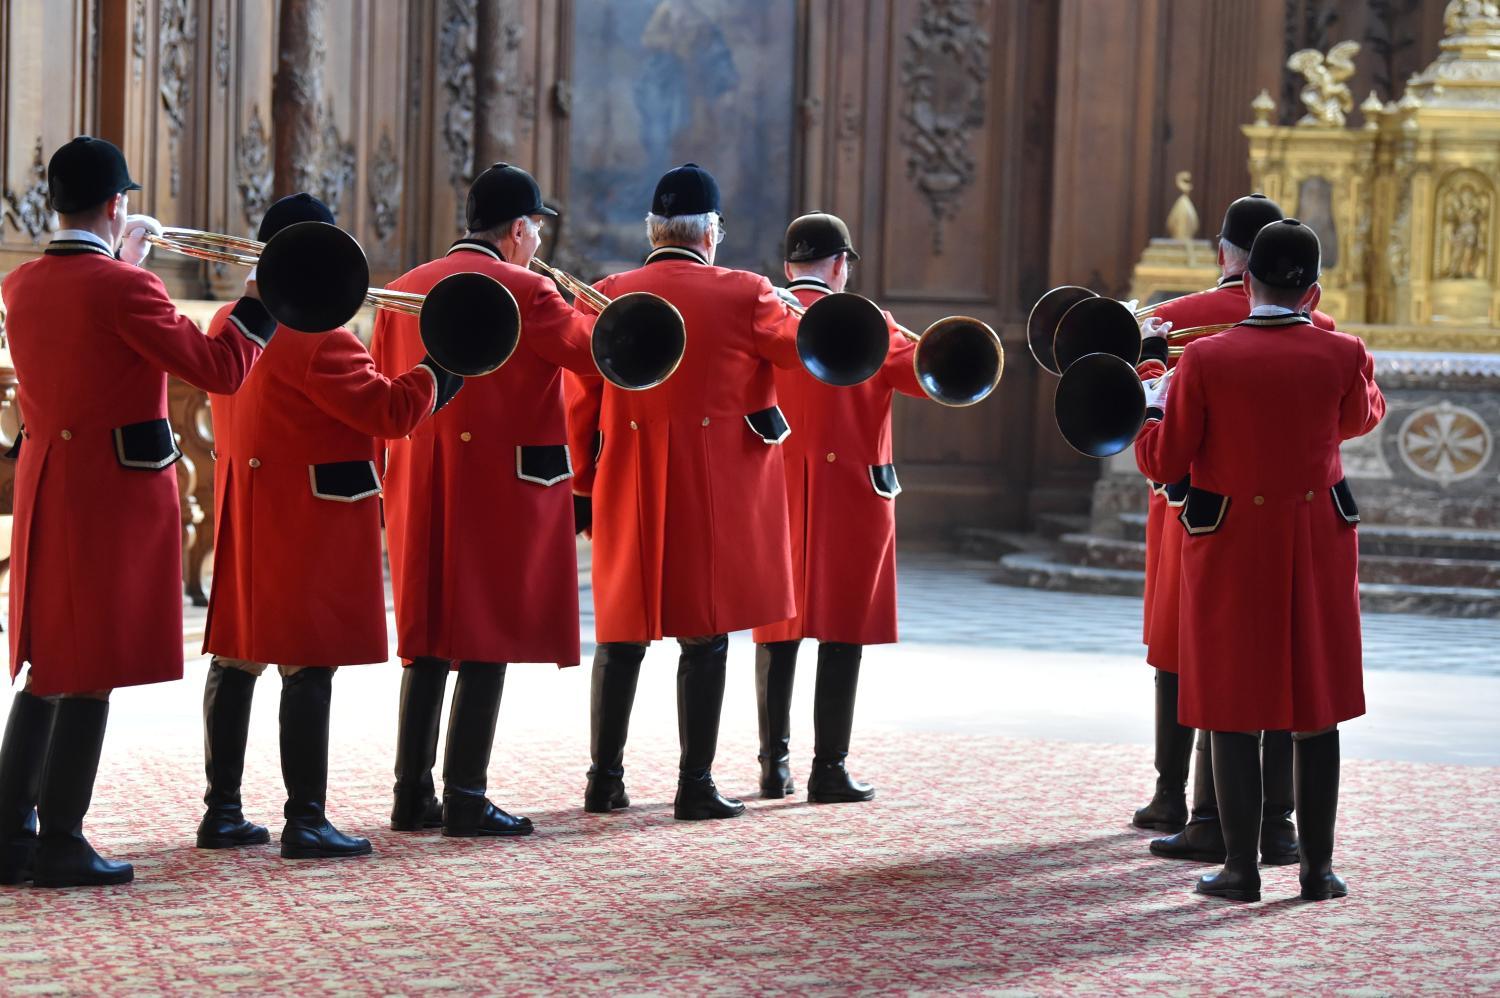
<point x="96" y="583"/>
<point x="298" y="573"/>
<point x="1270" y="589"/>
<point x="1200" y="840"/>
<point x="479" y="521"/>
<point x="689" y="502"/>
<point x="841" y="491"/>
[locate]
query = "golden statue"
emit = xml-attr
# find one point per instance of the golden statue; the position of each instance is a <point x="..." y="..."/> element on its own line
<point x="1326" y="95"/>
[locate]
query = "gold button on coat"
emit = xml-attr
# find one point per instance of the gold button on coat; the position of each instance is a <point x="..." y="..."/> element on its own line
<point x="67" y="434"/>
<point x="832" y="457"/>
<point x="1309" y="496"/>
<point x="255" y="462"/>
<point x="705" y="420"/>
<point x="466" y="436"/>
<point x="1260" y="500"/>
<point x="633" y="426"/>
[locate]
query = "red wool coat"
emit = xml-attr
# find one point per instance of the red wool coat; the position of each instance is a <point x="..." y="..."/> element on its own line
<point x="841" y="488"/>
<point x="298" y="573"/>
<point x="689" y="491"/>
<point x="1270" y="634"/>
<point x="96" y="582"/>
<point x="1229" y="302"/>
<point x="479" y="515"/>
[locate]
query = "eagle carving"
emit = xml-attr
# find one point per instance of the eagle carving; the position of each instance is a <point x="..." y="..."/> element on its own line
<point x="1325" y="94"/>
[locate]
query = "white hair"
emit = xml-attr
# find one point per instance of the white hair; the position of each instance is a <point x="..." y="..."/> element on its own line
<point x="1236" y="260"/>
<point x="681" y="230"/>
<point x="496" y="233"/>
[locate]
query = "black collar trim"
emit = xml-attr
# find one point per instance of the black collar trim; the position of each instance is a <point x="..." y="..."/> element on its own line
<point x="73" y="247"/>
<point x="1290" y="319"/>
<point x="809" y="284"/>
<point x="474" y="246"/>
<point x="675" y="253"/>
<point x="1237" y="281"/>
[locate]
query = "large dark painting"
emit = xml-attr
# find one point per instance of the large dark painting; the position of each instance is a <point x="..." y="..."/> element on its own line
<point x="658" y="83"/>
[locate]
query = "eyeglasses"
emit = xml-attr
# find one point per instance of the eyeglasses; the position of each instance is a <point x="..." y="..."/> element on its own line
<point x="719" y="229"/>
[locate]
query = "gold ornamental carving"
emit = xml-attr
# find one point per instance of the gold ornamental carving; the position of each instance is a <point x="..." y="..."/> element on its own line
<point x="1325" y="94"/>
<point x="1403" y="199"/>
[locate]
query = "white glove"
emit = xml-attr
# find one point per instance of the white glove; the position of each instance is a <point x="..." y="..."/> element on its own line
<point x="788" y="297"/>
<point x="1132" y="304"/>
<point x="134" y="248"/>
<point x="1155" y="327"/>
<point x="1156" y="391"/>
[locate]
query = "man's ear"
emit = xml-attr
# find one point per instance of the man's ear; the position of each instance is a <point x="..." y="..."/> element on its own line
<point x="786" y="269"/>
<point x="1310" y="300"/>
<point x="840" y="265"/>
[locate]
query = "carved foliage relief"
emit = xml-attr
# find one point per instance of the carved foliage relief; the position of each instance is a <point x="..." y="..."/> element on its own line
<point x="175" y="45"/>
<point x="457" y="38"/>
<point x="943" y="77"/>
<point x="1461" y="236"/>
<point x="254" y="171"/>
<point x="27" y="209"/>
<point x="385" y="187"/>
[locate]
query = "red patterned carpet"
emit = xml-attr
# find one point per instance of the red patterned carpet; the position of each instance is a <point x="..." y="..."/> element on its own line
<point x="986" y="864"/>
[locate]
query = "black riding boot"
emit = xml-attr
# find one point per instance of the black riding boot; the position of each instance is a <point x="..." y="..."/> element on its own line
<point x="617" y="668"/>
<point x="1237" y="786"/>
<point x="21" y="759"/>
<point x="1278" y="835"/>
<point x="700" y="699"/>
<point x="305" y="698"/>
<point x="833" y="724"/>
<point x="775" y="666"/>
<point x="1167" y="811"/>
<point x="467" y="812"/>
<point x="1316" y="767"/>
<point x="226" y="724"/>
<point x="1202" y="841"/>
<point x="416" y="806"/>
<point x="64" y="857"/>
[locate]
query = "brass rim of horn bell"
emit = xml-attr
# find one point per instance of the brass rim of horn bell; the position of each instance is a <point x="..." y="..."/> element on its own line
<point x="826" y="312"/>
<point x="1096" y="325"/>
<point x="960" y="321"/>
<point x="1042" y="322"/>
<point x="1084" y="379"/>
<point x="678" y="324"/>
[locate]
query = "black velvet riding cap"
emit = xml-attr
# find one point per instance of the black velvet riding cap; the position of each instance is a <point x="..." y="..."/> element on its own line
<point x="1286" y="254"/>
<point x="85" y="173"/>
<point x="687" y="190"/>
<point x="1246" y="216"/>
<point x="290" y="210"/>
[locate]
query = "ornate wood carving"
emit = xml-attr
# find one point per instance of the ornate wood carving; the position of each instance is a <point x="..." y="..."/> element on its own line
<point x="457" y="39"/>
<point x="502" y="97"/>
<point x="28" y="211"/>
<point x="385" y="187"/>
<point x="336" y="164"/>
<point x="221" y="51"/>
<point x="297" y="97"/>
<point x="138" y="39"/>
<point x="253" y="174"/>
<point x="943" y="75"/>
<point x="175" y="46"/>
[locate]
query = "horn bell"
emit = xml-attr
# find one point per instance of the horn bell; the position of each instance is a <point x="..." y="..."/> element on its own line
<point x="470" y="324"/>
<point x="1041" y="324"/>
<point x="959" y="361"/>
<point x="639" y="341"/>
<point x="1097" y="325"/>
<point x="313" y="277"/>
<point x="1100" y="405"/>
<point x="843" y="339"/>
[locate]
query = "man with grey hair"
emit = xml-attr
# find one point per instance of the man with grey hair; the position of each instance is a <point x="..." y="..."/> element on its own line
<point x="689" y="506"/>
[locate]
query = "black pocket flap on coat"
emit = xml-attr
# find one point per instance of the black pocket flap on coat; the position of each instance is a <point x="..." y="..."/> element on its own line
<point x="545" y="465"/>
<point x="344" y="481"/>
<point x="1203" y="511"/>
<point x="1177" y="492"/>
<point x="769" y="424"/>
<point x="1343" y="501"/>
<point x="148" y="446"/>
<point x="883" y="478"/>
